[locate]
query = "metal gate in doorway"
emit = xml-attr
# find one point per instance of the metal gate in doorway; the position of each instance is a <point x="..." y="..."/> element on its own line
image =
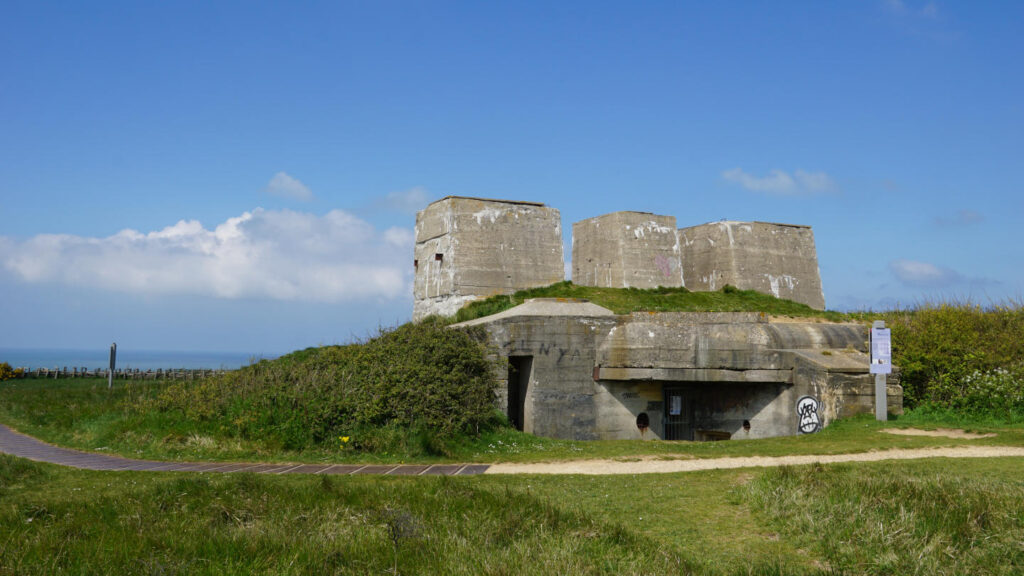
<point x="678" y="414"/>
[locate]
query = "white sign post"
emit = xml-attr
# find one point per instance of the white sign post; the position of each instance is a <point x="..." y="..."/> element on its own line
<point x="881" y="364"/>
<point x="113" y="363"/>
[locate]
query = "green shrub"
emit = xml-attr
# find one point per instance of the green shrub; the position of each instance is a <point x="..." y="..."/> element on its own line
<point x="938" y="346"/>
<point x="7" y="373"/>
<point x="411" y="387"/>
<point x="998" y="392"/>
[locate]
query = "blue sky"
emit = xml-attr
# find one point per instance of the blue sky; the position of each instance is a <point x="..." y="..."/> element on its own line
<point x="244" y="177"/>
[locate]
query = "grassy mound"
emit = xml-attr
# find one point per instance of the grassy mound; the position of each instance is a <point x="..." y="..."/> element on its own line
<point x="418" y="382"/>
<point x="626" y="300"/>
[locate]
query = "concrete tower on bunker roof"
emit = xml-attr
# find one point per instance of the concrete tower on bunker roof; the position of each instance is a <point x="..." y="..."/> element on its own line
<point x="626" y="250"/>
<point x="776" y="259"/>
<point x="473" y="248"/>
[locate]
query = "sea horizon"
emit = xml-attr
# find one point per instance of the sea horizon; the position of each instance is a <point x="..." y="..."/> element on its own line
<point x="128" y="358"/>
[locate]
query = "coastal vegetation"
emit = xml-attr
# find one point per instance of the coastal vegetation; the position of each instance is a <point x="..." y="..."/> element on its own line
<point x="8" y="373"/>
<point x="406" y="390"/>
<point x="959" y="359"/>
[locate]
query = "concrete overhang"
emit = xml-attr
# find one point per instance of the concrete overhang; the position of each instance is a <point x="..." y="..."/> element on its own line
<point x="694" y="375"/>
<point x="846" y="361"/>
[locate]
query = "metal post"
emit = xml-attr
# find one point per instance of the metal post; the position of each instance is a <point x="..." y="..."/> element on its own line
<point x="113" y="362"/>
<point x="881" y="394"/>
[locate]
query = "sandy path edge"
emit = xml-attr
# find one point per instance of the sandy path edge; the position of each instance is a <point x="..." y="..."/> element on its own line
<point x="596" y="467"/>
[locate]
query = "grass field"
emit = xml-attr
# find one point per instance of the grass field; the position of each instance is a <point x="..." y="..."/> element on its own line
<point x="921" y="517"/>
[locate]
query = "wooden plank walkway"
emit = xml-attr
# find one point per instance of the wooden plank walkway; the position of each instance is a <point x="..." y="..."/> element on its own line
<point x="18" y="444"/>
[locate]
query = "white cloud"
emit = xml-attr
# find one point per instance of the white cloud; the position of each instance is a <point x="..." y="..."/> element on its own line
<point x="281" y="255"/>
<point x="923" y="274"/>
<point x="285" y="186"/>
<point x="408" y="201"/>
<point x="815" y="182"/>
<point x="781" y="183"/>
<point x="399" y="237"/>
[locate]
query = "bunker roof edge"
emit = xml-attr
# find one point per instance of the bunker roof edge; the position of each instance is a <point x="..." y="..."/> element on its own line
<point x="524" y="202"/>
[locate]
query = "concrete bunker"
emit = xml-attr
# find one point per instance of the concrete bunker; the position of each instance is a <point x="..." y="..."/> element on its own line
<point x="675" y="375"/>
<point x="574" y="370"/>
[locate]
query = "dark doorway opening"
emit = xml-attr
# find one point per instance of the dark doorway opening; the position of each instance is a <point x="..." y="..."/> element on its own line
<point x="519" y="370"/>
<point x="678" y="414"/>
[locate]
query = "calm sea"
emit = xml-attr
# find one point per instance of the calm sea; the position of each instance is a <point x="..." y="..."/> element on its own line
<point x="126" y="358"/>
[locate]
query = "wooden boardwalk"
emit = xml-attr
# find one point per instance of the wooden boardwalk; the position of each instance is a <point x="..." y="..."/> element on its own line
<point x="18" y="444"/>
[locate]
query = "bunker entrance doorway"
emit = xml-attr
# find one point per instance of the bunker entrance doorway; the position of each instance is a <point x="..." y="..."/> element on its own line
<point x="678" y="414"/>
<point x="519" y="371"/>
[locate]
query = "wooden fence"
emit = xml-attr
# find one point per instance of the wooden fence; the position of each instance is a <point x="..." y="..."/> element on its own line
<point x="123" y="373"/>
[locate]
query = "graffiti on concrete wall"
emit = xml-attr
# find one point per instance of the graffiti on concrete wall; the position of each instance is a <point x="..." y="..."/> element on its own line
<point x="664" y="265"/>
<point x="808" y="421"/>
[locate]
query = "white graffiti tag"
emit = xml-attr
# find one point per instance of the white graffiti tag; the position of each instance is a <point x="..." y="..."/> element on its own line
<point x="807" y="415"/>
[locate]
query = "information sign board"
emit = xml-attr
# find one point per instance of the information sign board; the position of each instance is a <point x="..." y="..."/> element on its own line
<point x="881" y="351"/>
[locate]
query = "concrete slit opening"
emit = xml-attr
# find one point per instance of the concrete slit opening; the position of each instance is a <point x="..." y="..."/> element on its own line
<point x="711" y="435"/>
<point x="520" y="369"/>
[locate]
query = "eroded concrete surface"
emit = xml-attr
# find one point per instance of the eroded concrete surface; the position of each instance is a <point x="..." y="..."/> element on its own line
<point x="472" y="248"/>
<point x="593" y="373"/>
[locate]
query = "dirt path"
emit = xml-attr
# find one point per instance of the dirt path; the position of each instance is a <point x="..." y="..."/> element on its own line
<point x="649" y="466"/>
<point x="18" y="444"/>
<point x="937" y="433"/>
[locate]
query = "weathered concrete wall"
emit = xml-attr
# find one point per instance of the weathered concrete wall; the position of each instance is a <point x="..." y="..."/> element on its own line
<point x="593" y="373"/>
<point x="841" y="380"/>
<point x="560" y="402"/>
<point x="733" y="367"/>
<point x="717" y="407"/>
<point x="470" y="248"/>
<point x="626" y="250"/>
<point x="776" y="259"/>
<point x="619" y="403"/>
